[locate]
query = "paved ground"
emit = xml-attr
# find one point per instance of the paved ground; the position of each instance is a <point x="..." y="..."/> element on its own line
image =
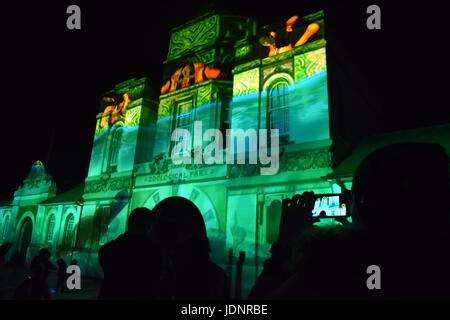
<point x="10" y="279"/>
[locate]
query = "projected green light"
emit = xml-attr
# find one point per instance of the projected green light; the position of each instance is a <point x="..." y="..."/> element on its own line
<point x="216" y="73"/>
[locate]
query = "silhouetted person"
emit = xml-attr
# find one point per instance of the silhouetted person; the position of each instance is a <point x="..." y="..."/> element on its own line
<point x="400" y="223"/>
<point x="61" y="275"/>
<point x="3" y="251"/>
<point x="16" y="261"/>
<point x="132" y="262"/>
<point x="35" y="287"/>
<point x="199" y="278"/>
<point x="402" y="215"/>
<point x="187" y="273"/>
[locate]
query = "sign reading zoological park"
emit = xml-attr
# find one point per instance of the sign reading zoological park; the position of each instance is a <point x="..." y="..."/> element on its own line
<point x="181" y="173"/>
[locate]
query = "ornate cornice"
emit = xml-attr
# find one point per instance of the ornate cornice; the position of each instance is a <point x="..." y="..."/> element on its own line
<point x="105" y="184"/>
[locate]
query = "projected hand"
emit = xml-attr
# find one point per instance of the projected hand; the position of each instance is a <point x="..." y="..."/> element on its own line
<point x="295" y="216"/>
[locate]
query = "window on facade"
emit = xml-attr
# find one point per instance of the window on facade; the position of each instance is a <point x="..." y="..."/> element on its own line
<point x="69" y="230"/>
<point x="5" y="227"/>
<point x="115" y="146"/>
<point x="50" y="228"/>
<point x="278" y="111"/>
<point x="104" y="219"/>
<point x="184" y="120"/>
<point x="273" y="217"/>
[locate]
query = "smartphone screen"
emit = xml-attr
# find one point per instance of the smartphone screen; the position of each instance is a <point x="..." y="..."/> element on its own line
<point x="330" y="206"/>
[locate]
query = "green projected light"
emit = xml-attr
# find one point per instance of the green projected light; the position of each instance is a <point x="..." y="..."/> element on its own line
<point x="241" y="208"/>
<point x="216" y="73"/>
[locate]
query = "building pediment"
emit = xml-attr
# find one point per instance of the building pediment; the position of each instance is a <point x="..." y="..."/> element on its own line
<point x="38" y="182"/>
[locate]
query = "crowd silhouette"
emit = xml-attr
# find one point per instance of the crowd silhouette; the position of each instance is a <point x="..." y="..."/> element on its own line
<point x="400" y="223"/>
<point x="132" y="262"/>
<point x="35" y="286"/>
<point x="163" y="255"/>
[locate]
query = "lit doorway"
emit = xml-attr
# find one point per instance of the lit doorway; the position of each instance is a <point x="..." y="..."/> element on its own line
<point x="25" y="237"/>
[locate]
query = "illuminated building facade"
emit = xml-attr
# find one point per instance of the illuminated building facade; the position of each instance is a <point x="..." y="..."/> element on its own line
<point x="221" y="70"/>
<point x="216" y="71"/>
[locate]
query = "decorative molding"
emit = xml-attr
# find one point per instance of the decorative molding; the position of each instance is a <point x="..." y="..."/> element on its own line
<point x="298" y="161"/>
<point x="105" y="184"/>
<point x="193" y="37"/>
<point x="315" y="45"/>
<point x="246" y="83"/>
<point x="161" y="170"/>
<point x="219" y="30"/>
<point x="309" y="64"/>
<point x="286" y="67"/>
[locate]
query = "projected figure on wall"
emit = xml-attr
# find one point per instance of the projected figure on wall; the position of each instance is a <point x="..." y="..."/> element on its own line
<point x="114" y="109"/>
<point x="188" y="75"/>
<point x="279" y="45"/>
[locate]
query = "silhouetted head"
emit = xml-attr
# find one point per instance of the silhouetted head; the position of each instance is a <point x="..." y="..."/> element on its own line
<point x="74" y="262"/>
<point x="178" y="219"/>
<point x="196" y="248"/>
<point x="139" y="221"/>
<point x="44" y="254"/>
<point x="402" y="188"/>
<point x="6" y="246"/>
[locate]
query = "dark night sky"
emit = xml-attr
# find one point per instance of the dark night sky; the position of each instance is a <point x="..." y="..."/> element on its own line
<point x="53" y="77"/>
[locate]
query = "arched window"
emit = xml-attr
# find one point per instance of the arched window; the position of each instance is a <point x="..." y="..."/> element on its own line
<point x="278" y="112"/>
<point x="115" y="146"/>
<point x="69" y="229"/>
<point x="5" y="227"/>
<point x="50" y="228"/>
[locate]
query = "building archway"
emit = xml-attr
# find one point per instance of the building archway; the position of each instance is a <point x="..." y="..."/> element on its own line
<point x="26" y="231"/>
<point x="5" y="227"/>
<point x="197" y="196"/>
<point x="207" y="208"/>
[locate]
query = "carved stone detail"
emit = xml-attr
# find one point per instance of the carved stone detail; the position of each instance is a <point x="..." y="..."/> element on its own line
<point x="105" y="184"/>
<point x="193" y="37"/>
